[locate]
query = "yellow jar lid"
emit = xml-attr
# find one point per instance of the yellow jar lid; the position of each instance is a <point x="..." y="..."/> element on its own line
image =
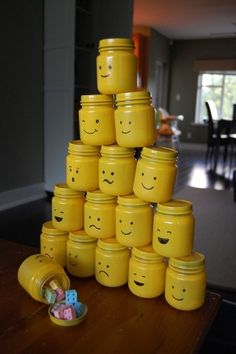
<point x="62" y="190"/>
<point x="133" y="96"/>
<point x="110" y="244"/>
<point x="194" y="261"/>
<point x="81" y="236"/>
<point x="48" y="228"/>
<point x="100" y="197"/>
<point x="159" y="153"/>
<point x="108" y="99"/>
<point x="146" y="253"/>
<point x="78" y="147"/>
<point x="131" y="200"/>
<point x="175" y="207"/>
<point x="107" y="43"/>
<point x="116" y="151"/>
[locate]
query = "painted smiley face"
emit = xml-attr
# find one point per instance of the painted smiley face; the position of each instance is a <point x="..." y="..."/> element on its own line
<point x="41" y="257"/>
<point x="178" y="294"/>
<point x="90" y="127"/>
<point x="103" y="269"/>
<point x="125" y="128"/>
<point x="139" y="279"/>
<point x="105" y="69"/>
<point x="72" y="259"/>
<point x="148" y="182"/>
<point x="163" y="239"/>
<point x="47" y="251"/>
<point x="126" y="230"/>
<point x="58" y="215"/>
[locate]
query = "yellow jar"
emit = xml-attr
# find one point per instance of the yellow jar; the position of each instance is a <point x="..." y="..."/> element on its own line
<point x="67" y="208"/>
<point x="116" y="170"/>
<point x="186" y="282"/>
<point x="111" y="262"/>
<point x="116" y="66"/>
<point x="53" y="243"/>
<point x="134" y="220"/>
<point x="99" y="214"/>
<point x="135" y="119"/>
<point x="173" y="229"/>
<point x="38" y="270"/>
<point x="81" y="254"/>
<point x="155" y="174"/>
<point x="82" y="166"/>
<point x="96" y="120"/>
<point x="146" y="272"/>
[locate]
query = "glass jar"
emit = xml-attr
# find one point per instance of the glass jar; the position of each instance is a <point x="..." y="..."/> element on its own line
<point x="116" y="66"/>
<point x="53" y="243"/>
<point x="81" y="254"/>
<point x="99" y="214"/>
<point x="111" y="262"/>
<point x="38" y="270"/>
<point x="155" y="174"/>
<point x="116" y="170"/>
<point x="134" y="220"/>
<point x="173" y="228"/>
<point x="135" y="119"/>
<point x="67" y="208"/>
<point x="186" y="282"/>
<point x="96" y="120"/>
<point x="82" y="166"/>
<point x="146" y="272"/>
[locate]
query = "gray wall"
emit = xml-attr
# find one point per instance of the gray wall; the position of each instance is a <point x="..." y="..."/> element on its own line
<point x="21" y="127"/>
<point x="184" y="80"/>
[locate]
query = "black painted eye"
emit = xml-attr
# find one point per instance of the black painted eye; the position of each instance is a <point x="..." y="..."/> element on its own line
<point x="143" y="276"/>
<point x="173" y="287"/>
<point x="120" y="221"/>
<point x="121" y="122"/>
<point x="135" y="273"/>
<point x="184" y="290"/>
<point x="158" y="230"/>
<point x="142" y="174"/>
<point x="129" y="122"/>
<point x="44" y="247"/>
<point x="99" y="263"/>
<point x="97" y="120"/>
<point x="51" y="249"/>
<point x="77" y="171"/>
<point x="83" y="120"/>
<point x="69" y="254"/>
<point x="154" y="178"/>
<point x="89" y="217"/>
<point x="131" y="223"/>
<point x="103" y="171"/>
<point x="109" y="67"/>
<point x="100" y="67"/>
<point x="108" y="266"/>
<point x="112" y="173"/>
<point x="98" y="219"/>
<point x="76" y="256"/>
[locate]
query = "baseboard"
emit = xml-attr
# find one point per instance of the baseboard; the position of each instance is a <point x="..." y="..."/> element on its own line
<point x="18" y="196"/>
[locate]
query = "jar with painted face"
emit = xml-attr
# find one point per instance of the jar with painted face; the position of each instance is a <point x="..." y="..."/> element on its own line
<point x="155" y="174"/>
<point x="36" y="271"/>
<point x="99" y="214"/>
<point x="111" y="262"/>
<point x="134" y="220"/>
<point x="186" y="282"/>
<point x="96" y="120"/>
<point x="173" y="228"/>
<point x="67" y="208"/>
<point x="146" y="272"/>
<point x="53" y="243"/>
<point x="116" y="170"/>
<point x="81" y="254"/>
<point x="82" y="166"/>
<point x="135" y="119"/>
<point x="116" y="66"/>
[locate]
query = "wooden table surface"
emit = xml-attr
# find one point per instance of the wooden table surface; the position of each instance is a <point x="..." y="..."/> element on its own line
<point x="117" y="321"/>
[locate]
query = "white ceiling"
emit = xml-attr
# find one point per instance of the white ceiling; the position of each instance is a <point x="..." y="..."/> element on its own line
<point x="188" y="19"/>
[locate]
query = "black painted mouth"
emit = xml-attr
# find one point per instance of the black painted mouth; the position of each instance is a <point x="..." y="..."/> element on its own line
<point x="138" y="283"/>
<point x="109" y="182"/>
<point x="163" y="241"/>
<point x="123" y="132"/>
<point x="148" y="188"/>
<point x="105" y="75"/>
<point x="73" y="263"/>
<point x="177" y="299"/>
<point x="58" y="218"/>
<point x="125" y="233"/>
<point x="48" y="255"/>
<point x="95" y="130"/>
<point x="103" y="271"/>
<point x="92" y="225"/>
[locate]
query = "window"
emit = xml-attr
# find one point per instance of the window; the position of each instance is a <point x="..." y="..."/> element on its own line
<point x="219" y="86"/>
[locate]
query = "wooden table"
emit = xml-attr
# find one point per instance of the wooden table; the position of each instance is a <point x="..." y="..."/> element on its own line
<point x="117" y="321"/>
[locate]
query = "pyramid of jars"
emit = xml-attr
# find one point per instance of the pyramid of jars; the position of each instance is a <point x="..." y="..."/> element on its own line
<point x="115" y="217"/>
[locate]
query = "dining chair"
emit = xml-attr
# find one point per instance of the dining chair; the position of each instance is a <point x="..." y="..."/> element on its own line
<point x="217" y="135"/>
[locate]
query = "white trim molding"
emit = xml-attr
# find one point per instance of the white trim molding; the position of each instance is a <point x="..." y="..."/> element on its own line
<point x="18" y="196"/>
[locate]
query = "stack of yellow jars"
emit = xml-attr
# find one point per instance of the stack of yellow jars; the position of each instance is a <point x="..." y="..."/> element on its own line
<point x="115" y="216"/>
